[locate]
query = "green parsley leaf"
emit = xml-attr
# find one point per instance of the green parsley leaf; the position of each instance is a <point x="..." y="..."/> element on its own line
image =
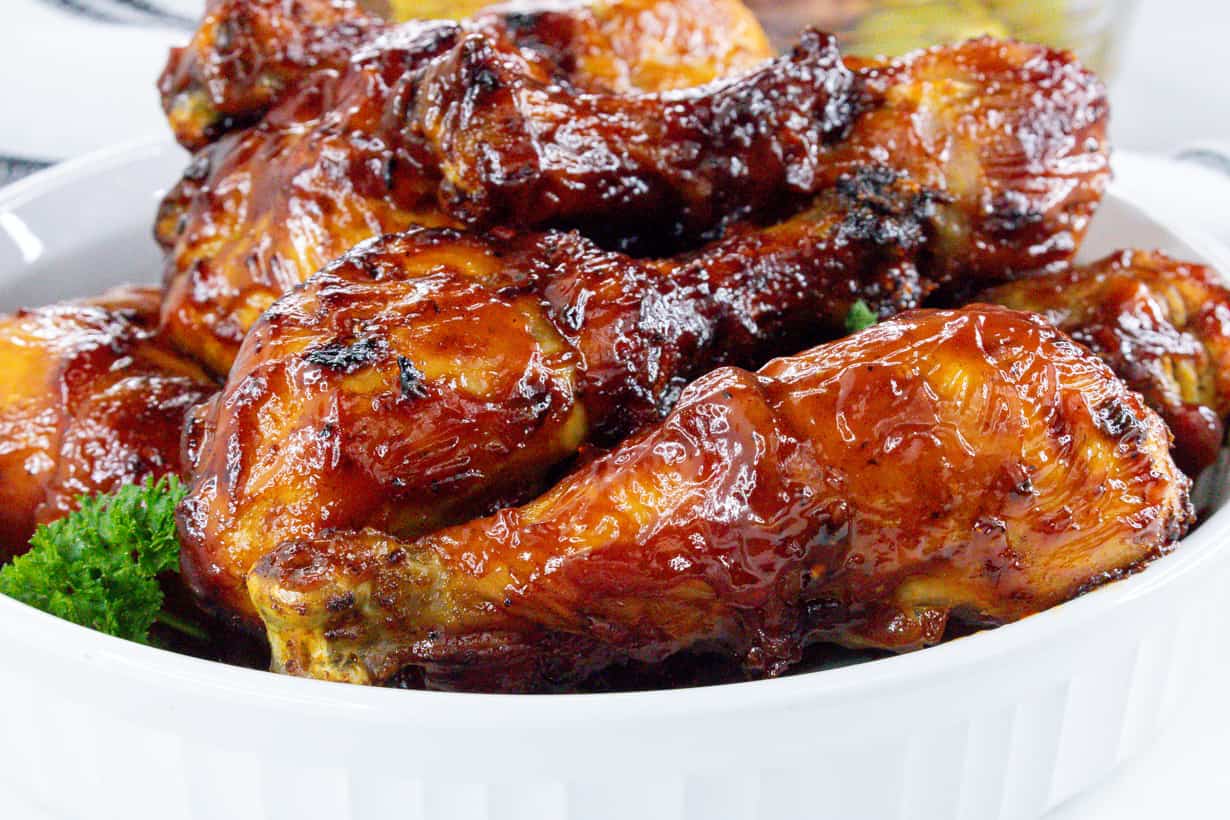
<point x="860" y="317"/>
<point x="99" y="566"/>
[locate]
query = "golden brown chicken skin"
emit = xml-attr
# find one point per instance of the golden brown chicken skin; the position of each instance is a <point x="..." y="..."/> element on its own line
<point x="93" y="399"/>
<point x="332" y="160"/>
<point x="427" y="376"/>
<point x="971" y="466"/>
<point x="1162" y="325"/>
<point x="1015" y="142"/>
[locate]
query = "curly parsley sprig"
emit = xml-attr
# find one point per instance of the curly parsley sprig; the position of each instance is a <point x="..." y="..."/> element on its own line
<point x="99" y="566"/>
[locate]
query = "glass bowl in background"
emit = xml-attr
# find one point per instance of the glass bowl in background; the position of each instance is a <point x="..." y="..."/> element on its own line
<point x="1092" y="28"/>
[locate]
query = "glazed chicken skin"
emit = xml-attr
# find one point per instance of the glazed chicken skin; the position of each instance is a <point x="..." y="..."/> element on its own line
<point x="971" y="466"/>
<point x="445" y="123"/>
<point x="94" y="399"/>
<point x="330" y="159"/>
<point x="429" y="376"/>
<point x="516" y="147"/>
<point x="1162" y="325"/>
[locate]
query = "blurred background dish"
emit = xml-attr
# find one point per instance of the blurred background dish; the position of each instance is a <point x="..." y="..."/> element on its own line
<point x="1094" y="29"/>
<point x="409" y="9"/>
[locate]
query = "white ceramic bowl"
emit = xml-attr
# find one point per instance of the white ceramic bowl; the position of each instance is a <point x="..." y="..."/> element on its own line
<point x="1003" y="724"/>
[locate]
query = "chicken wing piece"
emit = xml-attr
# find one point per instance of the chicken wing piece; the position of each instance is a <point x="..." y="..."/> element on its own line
<point x="1011" y="136"/>
<point x="937" y="467"/>
<point x="1162" y="325"/>
<point x="428" y="376"/>
<point x="94" y="399"/>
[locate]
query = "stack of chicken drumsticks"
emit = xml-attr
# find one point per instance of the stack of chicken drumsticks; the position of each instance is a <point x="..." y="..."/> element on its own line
<point x="510" y="350"/>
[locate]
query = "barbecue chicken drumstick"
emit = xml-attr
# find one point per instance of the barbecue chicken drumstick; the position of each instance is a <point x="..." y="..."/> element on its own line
<point x="974" y="466"/>
<point x="94" y="399"/>
<point x="515" y="147"/>
<point x="468" y="123"/>
<point x="1013" y="135"/>
<point x="1162" y="325"/>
